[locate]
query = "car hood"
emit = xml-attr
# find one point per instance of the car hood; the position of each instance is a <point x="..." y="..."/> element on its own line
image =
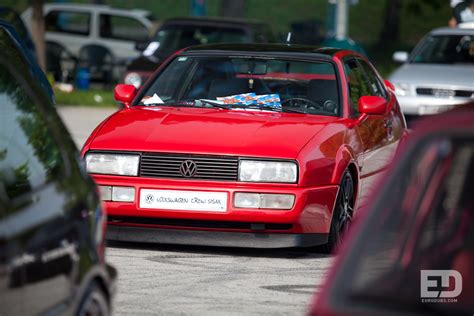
<point x="208" y="131"/>
<point x="426" y="74"/>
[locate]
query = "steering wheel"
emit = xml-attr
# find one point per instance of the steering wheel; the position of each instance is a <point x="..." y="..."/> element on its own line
<point x="302" y="103"/>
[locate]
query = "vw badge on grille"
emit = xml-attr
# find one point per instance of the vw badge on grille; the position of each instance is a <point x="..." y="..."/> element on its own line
<point x="188" y="168"/>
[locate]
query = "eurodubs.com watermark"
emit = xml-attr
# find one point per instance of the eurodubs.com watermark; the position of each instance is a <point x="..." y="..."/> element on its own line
<point x="440" y="286"/>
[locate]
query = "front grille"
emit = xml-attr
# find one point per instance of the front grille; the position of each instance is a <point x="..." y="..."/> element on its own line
<point x="198" y="223"/>
<point x="445" y="93"/>
<point x="220" y="168"/>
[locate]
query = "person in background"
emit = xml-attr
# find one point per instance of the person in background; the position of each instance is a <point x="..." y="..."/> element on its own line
<point x="463" y="12"/>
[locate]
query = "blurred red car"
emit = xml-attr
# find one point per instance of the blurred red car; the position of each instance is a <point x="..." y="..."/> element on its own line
<point x="412" y="251"/>
<point x="245" y="145"/>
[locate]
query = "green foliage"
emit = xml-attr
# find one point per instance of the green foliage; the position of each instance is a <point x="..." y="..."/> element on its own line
<point x="418" y="17"/>
<point x="88" y="97"/>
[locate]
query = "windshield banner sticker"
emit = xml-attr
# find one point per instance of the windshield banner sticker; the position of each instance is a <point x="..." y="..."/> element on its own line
<point x="270" y="100"/>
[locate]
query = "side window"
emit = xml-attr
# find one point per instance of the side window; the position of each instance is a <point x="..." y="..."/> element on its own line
<point x="358" y="85"/>
<point x="68" y="22"/>
<point x="122" y="28"/>
<point x="377" y="87"/>
<point x="29" y="156"/>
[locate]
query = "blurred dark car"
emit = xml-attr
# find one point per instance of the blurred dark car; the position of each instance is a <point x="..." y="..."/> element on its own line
<point x="19" y="45"/>
<point x="178" y="33"/>
<point x="412" y="251"/>
<point x="51" y="220"/>
<point x="11" y="17"/>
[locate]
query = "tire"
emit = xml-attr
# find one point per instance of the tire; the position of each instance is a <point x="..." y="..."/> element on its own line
<point x="342" y="215"/>
<point x="94" y="302"/>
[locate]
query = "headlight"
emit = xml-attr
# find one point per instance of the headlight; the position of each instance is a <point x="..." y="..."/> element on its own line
<point x="125" y="165"/>
<point x="268" y="171"/>
<point x="402" y="89"/>
<point x="133" y="78"/>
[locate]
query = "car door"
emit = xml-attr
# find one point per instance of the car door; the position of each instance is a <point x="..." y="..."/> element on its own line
<point x="120" y="34"/>
<point x="69" y="28"/>
<point x="394" y="122"/>
<point x="372" y="131"/>
<point x="38" y="237"/>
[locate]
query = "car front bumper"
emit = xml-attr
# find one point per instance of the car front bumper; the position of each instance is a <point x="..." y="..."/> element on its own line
<point x="426" y="105"/>
<point x="306" y="223"/>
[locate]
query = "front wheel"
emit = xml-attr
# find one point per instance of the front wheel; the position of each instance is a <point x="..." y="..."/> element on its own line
<point x="94" y="302"/>
<point x="342" y="215"/>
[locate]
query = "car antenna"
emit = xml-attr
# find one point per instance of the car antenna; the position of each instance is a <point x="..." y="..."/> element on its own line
<point x="288" y="38"/>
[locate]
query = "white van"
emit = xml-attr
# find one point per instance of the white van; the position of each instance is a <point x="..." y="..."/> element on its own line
<point x="72" y="26"/>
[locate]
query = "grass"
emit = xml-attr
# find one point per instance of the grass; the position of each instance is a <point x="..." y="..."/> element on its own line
<point x="92" y="97"/>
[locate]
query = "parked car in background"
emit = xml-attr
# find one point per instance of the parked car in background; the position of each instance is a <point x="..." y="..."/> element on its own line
<point x="412" y="251"/>
<point x="438" y="74"/>
<point x="52" y="223"/>
<point x="245" y="145"/>
<point x="72" y="28"/>
<point x="178" y="33"/>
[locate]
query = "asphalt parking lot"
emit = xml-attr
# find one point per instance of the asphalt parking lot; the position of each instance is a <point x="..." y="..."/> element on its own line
<point x="167" y="279"/>
<point x="156" y="279"/>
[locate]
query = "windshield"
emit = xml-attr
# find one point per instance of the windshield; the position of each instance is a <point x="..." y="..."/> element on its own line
<point x="445" y="49"/>
<point x="174" y="37"/>
<point x="244" y="82"/>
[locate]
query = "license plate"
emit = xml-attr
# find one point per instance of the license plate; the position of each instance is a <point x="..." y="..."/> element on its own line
<point x="427" y="110"/>
<point x="183" y="200"/>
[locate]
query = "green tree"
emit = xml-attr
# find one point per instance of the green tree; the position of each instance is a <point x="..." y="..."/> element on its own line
<point x="393" y="12"/>
<point x="233" y="8"/>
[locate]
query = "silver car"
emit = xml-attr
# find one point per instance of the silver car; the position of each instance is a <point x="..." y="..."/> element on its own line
<point x="438" y="74"/>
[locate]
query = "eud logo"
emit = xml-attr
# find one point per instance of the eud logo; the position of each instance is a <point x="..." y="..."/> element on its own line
<point x="440" y="284"/>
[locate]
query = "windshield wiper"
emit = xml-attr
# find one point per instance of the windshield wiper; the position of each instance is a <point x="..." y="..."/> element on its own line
<point x="275" y="109"/>
<point x="209" y="103"/>
<point x="171" y="103"/>
<point x="287" y="110"/>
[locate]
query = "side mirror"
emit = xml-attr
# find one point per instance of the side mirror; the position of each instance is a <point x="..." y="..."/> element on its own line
<point x="400" y="57"/>
<point x="125" y="93"/>
<point x="141" y="46"/>
<point x="372" y="105"/>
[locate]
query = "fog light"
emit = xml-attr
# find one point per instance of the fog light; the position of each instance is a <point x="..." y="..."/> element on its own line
<point x="105" y="192"/>
<point x="264" y="201"/>
<point x="123" y="194"/>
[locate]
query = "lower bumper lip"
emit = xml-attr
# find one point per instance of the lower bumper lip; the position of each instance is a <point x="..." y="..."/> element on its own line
<point x="220" y="239"/>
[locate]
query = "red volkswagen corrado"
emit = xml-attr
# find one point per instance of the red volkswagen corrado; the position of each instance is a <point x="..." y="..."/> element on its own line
<point x="245" y="145"/>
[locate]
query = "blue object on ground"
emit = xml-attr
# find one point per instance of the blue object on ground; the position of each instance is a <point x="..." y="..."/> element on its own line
<point x="83" y="78"/>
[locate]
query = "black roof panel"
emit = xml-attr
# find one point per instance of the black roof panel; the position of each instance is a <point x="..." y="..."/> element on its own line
<point x="266" y="48"/>
<point x="212" y="20"/>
